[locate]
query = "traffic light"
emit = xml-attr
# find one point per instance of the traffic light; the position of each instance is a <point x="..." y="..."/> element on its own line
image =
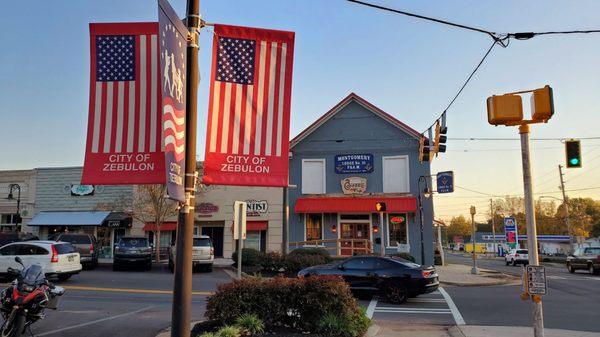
<point x="380" y="207"/>
<point x="439" y="144"/>
<point x="573" y="151"/>
<point x="424" y="150"/>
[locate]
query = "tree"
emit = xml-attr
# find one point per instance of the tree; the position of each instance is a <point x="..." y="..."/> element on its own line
<point x="459" y="226"/>
<point x="150" y="204"/>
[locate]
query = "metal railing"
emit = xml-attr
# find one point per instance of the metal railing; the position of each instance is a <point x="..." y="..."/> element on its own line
<point x="341" y="247"/>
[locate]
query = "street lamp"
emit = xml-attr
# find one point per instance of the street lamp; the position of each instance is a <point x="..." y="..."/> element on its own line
<point x="10" y="196"/>
<point x="427" y="193"/>
<point x="568" y="224"/>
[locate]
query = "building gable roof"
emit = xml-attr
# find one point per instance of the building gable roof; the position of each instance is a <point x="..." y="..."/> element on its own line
<point x="340" y="106"/>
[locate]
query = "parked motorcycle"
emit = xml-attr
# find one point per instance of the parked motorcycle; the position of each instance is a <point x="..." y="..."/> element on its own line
<point x="25" y="300"/>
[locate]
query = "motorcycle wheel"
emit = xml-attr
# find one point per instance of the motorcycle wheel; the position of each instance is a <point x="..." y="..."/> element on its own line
<point x="14" y="325"/>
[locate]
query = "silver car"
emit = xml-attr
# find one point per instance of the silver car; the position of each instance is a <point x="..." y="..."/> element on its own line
<point x="203" y="254"/>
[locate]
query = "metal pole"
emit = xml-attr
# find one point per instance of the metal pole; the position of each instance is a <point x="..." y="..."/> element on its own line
<point x="440" y="244"/>
<point x="538" y="319"/>
<point x="182" y="286"/>
<point x="382" y="245"/>
<point x="239" y="243"/>
<point x="285" y="220"/>
<point x="421" y="218"/>
<point x="493" y="227"/>
<point x="566" y="204"/>
<point x="474" y="269"/>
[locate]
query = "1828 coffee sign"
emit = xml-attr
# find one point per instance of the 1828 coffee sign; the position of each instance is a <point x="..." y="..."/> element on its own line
<point x="354" y="163"/>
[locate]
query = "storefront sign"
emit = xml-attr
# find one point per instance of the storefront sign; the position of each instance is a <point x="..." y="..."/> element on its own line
<point x="445" y="182"/>
<point x="81" y="190"/>
<point x="113" y="223"/>
<point x="354" y="185"/>
<point x="353" y="163"/>
<point x="173" y="35"/>
<point x="207" y="208"/>
<point x="256" y="207"/>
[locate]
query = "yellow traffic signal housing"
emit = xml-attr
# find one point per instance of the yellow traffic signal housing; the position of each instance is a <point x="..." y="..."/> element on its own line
<point x="440" y="139"/>
<point x="380" y="207"/>
<point x="504" y="109"/>
<point x="542" y="104"/>
<point x="424" y="150"/>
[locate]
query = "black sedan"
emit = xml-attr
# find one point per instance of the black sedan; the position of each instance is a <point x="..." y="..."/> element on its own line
<point x="393" y="278"/>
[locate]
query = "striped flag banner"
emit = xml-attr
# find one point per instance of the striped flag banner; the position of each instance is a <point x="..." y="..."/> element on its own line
<point x="124" y="139"/>
<point x="247" y="141"/>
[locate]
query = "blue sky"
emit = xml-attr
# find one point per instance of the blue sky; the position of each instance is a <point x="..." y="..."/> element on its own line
<point x="407" y="67"/>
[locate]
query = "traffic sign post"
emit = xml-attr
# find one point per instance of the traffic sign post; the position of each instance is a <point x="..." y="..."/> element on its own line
<point x="239" y="231"/>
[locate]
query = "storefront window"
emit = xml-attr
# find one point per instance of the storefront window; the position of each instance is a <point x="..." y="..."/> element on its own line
<point x="252" y="240"/>
<point x="396" y="229"/>
<point x="314" y="227"/>
<point x="103" y="237"/>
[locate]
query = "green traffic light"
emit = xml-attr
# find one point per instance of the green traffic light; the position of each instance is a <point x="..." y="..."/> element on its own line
<point x="574" y="161"/>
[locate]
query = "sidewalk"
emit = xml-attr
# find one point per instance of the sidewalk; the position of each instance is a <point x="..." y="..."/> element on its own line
<point x="403" y="330"/>
<point x="460" y="275"/>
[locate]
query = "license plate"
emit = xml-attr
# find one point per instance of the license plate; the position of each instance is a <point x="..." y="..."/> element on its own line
<point x="71" y="258"/>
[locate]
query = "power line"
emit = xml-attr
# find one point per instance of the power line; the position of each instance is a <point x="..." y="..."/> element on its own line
<point x="518" y="139"/>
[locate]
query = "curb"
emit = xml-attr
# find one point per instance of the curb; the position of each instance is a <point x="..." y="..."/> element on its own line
<point x="505" y="281"/>
<point x="372" y="331"/>
<point x="167" y="331"/>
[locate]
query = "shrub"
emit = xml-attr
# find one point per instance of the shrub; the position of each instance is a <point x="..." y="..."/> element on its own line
<point x="229" y="331"/>
<point x="272" y="262"/>
<point x="405" y="256"/>
<point x="322" y="252"/>
<point x="336" y="325"/>
<point x="208" y="334"/>
<point x="250" y="324"/>
<point x="296" y="262"/>
<point x="298" y="303"/>
<point x="250" y="257"/>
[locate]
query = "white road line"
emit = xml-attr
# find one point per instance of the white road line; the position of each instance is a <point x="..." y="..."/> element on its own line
<point x="410" y="309"/>
<point x="371" y="308"/>
<point x="95" y="321"/>
<point x="414" y="312"/>
<point x="455" y="313"/>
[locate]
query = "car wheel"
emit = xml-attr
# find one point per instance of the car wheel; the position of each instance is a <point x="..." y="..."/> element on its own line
<point x="514" y="263"/>
<point x="171" y="266"/>
<point x="64" y="277"/>
<point x="397" y="294"/>
<point x="591" y="269"/>
<point x="507" y="263"/>
<point x="570" y="268"/>
<point x="148" y="266"/>
<point x="209" y="268"/>
<point x="116" y="266"/>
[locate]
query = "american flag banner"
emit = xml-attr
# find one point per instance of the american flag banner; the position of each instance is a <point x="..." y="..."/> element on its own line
<point x="247" y="141"/>
<point x="124" y="139"/>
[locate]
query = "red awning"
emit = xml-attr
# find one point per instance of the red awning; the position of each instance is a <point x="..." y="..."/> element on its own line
<point x="351" y="205"/>
<point x="165" y="226"/>
<point x="257" y="225"/>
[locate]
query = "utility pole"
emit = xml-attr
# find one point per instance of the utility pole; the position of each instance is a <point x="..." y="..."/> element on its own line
<point x="182" y="288"/>
<point x="492" y="213"/>
<point x="285" y="218"/>
<point x="566" y="205"/>
<point x="538" y="319"/>
<point x="382" y="245"/>
<point x="474" y="269"/>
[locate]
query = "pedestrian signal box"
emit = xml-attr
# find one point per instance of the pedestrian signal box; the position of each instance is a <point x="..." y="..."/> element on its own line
<point x="542" y="104"/>
<point x="504" y="109"/>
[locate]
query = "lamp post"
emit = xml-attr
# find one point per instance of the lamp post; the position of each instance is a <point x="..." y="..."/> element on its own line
<point x="427" y="193"/>
<point x="474" y="270"/>
<point x="10" y="196"/>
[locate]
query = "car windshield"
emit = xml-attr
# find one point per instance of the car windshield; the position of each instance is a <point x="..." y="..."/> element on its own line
<point x="201" y="242"/>
<point x="75" y="239"/>
<point x="134" y="242"/>
<point x="405" y="263"/>
<point x="522" y="251"/>
<point x="33" y="275"/>
<point x="593" y="251"/>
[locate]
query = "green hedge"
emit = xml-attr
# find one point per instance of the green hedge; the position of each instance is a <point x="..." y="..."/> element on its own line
<point x="250" y="257"/>
<point x="275" y="262"/>
<point x="298" y="303"/>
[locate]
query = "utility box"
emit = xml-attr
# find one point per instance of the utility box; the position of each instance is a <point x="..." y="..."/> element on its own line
<point x="542" y="104"/>
<point x="504" y="109"/>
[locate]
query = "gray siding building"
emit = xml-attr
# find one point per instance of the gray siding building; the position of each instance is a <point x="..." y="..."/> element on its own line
<point x="343" y="164"/>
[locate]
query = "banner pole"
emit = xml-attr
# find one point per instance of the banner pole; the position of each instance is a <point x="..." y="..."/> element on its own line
<point x="182" y="288"/>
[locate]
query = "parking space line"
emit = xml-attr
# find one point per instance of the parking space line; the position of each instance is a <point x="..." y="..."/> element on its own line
<point x="453" y="308"/>
<point x="426" y="300"/>
<point x="411" y="308"/>
<point x="95" y="321"/>
<point x="371" y="308"/>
